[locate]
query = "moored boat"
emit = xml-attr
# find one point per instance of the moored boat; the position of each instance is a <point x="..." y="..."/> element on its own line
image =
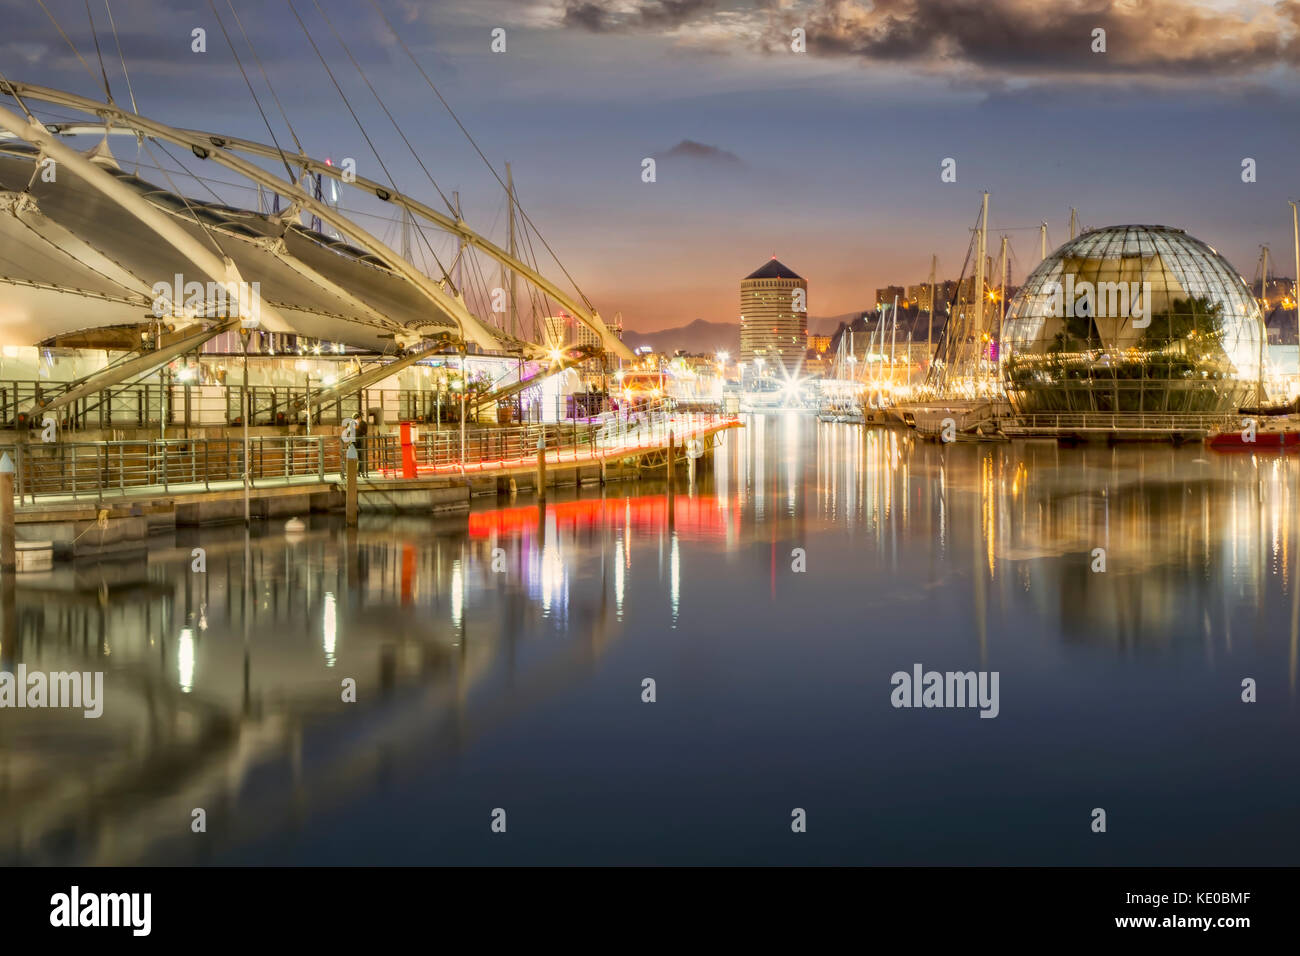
<point x="1277" y="433"/>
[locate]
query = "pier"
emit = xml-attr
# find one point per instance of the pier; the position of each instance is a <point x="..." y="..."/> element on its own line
<point x="102" y="498"/>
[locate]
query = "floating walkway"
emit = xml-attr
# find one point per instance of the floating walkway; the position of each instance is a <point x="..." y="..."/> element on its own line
<point x="113" y="518"/>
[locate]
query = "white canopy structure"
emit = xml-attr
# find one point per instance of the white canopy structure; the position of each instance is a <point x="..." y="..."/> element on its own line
<point x="85" y="250"/>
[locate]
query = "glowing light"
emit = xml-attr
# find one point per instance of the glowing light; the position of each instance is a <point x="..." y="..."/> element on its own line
<point x="675" y="579"/>
<point x="618" y="576"/>
<point x="329" y="629"/>
<point x="185" y="660"/>
<point x="457" y="594"/>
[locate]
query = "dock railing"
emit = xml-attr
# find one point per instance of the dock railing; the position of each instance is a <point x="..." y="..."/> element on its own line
<point x="1065" y="423"/>
<point x="97" y="470"/>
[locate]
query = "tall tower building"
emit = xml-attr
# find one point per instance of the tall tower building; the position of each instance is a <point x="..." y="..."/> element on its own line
<point x="773" y="318"/>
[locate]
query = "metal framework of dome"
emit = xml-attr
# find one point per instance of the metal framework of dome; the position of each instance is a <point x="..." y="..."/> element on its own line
<point x="1133" y="319"/>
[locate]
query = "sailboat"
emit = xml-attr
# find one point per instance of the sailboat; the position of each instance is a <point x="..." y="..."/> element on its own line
<point x="1272" y="426"/>
<point x="841" y="394"/>
<point x="967" y="403"/>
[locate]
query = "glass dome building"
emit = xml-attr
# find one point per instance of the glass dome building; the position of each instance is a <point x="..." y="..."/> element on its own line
<point x="1133" y="319"/>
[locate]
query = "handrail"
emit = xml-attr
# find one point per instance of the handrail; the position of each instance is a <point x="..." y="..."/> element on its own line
<point x="99" y="469"/>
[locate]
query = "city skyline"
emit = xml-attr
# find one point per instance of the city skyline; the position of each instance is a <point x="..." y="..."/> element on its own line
<point x="829" y="159"/>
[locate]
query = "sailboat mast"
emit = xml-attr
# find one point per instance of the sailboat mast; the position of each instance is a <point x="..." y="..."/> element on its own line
<point x="1263" y="325"/>
<point x="929" y="331"/>
<point x="1002" y="297"/>
<point x="893" y="342"/>
<point x="1295" y="227"/>
<point x="981" y="251"/>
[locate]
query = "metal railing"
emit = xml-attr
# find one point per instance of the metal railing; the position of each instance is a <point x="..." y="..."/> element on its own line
<point x="95" y="470"/>
<point x="1163" y="422"/>
<point x="185" y="405"/>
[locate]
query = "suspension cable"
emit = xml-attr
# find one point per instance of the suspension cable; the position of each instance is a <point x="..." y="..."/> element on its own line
<point x="355" y="118"/>
<point x="418" y="228"/>
<point x="73" y="46"/>
<point x="266" y="78"/>
<point x="130" y="92"/>
<point x="185" y="169"/>
<point x="94" y="35"/>
<point x="202" y="225"/>
<point x="251" y="92"/>
<point x="491" y="168"/>
<point x="379" y="100"/>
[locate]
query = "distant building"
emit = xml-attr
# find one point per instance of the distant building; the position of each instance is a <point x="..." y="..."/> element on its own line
<point x="773" y="318"/>
<point x="944" y="292"/>
<point x="886" y="295"/>
<point x="819" y="343"/>
<point x="564" y="331"/>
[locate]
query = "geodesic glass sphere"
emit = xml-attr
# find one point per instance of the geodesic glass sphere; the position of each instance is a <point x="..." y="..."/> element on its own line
<point x="1133" y="319"/>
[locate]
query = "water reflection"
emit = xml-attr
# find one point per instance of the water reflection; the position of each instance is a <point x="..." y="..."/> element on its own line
<point x="224" y="686"/>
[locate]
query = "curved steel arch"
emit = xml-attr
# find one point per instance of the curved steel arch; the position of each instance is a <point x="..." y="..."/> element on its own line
<point x="219" y="148"/>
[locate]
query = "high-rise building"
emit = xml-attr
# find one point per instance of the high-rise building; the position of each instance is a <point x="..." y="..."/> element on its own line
<point x="773" y="318"/>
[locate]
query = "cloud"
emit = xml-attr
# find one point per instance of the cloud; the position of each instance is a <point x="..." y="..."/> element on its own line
<point x="633" y="15"/>
<point x="690" y="149"/>
<point x="587" y="16"/>
<point x="1029" y="37"/>
<point x="1020" y="38"/>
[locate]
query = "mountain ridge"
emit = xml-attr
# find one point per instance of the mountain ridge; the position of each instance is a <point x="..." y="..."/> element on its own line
<point x="703" y="336"/>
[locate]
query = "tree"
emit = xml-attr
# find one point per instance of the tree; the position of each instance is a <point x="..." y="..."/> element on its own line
<point x="1186" y="320"/>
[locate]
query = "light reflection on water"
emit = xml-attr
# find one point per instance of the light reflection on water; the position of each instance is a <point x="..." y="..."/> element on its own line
<point x="522" y="688"/>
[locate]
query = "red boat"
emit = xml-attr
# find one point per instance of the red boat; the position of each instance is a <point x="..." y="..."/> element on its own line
<point x="1263" y="438"/>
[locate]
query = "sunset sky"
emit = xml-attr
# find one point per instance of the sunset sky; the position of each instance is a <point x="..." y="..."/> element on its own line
<point x="829" y="159"/>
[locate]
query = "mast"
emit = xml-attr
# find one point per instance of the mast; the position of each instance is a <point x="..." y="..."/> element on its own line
<point x="871" y="344"/>
<point x="929" y="331"/>
<point x="1042" y="240"/>
<point x="514" y="253"/>
<point x="1003" y="271"/>
<point x="981" y="252"/>
<point x="1074" y="222"/>
<point x="1263" y="325"/>
<point x="1295" y="226"/>
<point x="893" y="341"/>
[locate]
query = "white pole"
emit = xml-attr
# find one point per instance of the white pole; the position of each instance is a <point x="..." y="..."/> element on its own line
<point x="1295" y="226"/>
<point x="464" y="390"/>
<point x="1263" y="326"/>
<point x="243" y="335"/>
<point x="893" y="341"/>
<point x="982" y="250"/>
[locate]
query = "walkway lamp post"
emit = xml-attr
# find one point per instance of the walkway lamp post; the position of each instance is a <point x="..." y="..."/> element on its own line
<point x="243" y="340"/>
<point x="464" y="389"/>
